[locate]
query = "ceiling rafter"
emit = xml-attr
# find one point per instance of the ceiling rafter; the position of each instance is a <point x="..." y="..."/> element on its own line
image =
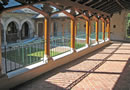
<point x="14" y="8"/>
<point x="106" y="5"/>
<point x="60" y="11"/>
<point x="111" y="6"/>
<point x="100" y="5"/>
<point x="78" y="1"/>
<point x="95" y="3"/>
<point x="77" y="5"/>
<point x="82" y="14"/>
<point x="38" y="10"/>
<point x="89" y="1"/>
<point x="113" y="9"/>
<point x="120" y="4"/>
<point x="65" y="12"/>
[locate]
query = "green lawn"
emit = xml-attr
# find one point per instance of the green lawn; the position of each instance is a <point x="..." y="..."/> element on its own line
<point x="79" y="45"/>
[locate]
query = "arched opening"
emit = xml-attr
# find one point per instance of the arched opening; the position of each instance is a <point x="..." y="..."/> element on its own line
<point x="25" y="31"/>
<point x="11" y="33"/>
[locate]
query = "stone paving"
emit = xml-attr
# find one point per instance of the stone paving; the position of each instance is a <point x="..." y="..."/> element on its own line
<point x="105" y="69"/>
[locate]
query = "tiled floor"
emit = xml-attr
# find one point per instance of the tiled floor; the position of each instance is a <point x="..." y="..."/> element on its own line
<point x="105" y="69"/>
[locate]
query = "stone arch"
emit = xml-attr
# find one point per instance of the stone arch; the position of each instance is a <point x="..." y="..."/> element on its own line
<point x="12" y="32"/>
<point x="13" y="20"/>
<point x="31" y="26"/>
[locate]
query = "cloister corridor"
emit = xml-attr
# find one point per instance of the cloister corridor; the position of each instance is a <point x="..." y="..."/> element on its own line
<point x="107" y="68"/>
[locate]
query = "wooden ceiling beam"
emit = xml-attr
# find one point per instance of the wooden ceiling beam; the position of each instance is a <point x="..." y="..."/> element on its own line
<point x="120" y="4"/>
<point x="114" y="10"/>
<point x="102" y="19"/>
<point x="77" y="1"/>
<point x="59" y="11"/>
<point x="95" y="3"/>
<point x="65" y="12"/>
<point x="107" y="5"/>
<point x="14" y="8"/>
<point x="103" y="3"/>
<point x="111" y="6"/>
<point x="95" y="18"/>
<point x="82" y="14"/>
<point x="87" y="2"/>
<point x="77" y="5"/>
<point x="38" y="10"/>
<point x="91" y="3"/>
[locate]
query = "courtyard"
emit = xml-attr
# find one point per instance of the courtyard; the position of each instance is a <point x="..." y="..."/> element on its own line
<point x="70" y="45"/>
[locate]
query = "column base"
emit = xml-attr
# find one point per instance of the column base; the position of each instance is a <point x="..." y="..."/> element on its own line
<point x="87" y="45"/>
<point x="104" y="40"/>
<point x="73" y="50"/>
<point x="46" y="58"/>
<point x="97" y="42"/>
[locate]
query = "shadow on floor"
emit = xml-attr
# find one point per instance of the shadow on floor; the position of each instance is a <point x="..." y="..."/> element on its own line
<point x="44" y="85"/>
<point x="123" y="82"/>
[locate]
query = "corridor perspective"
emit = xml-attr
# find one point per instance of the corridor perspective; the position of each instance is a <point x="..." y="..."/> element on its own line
<point x="107" y="68"/>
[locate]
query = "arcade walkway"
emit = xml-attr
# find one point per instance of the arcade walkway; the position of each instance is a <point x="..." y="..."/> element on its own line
<point x="104" y="69"/>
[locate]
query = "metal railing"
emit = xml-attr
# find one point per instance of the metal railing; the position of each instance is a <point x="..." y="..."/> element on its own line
<point x="19" y="56"/>
<point x="59" y="45"/>
<point x="106" y="35"/>
<point x="100" y="36"/>
<point x="92" y="38"/>
<point x="80" y="40"/>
